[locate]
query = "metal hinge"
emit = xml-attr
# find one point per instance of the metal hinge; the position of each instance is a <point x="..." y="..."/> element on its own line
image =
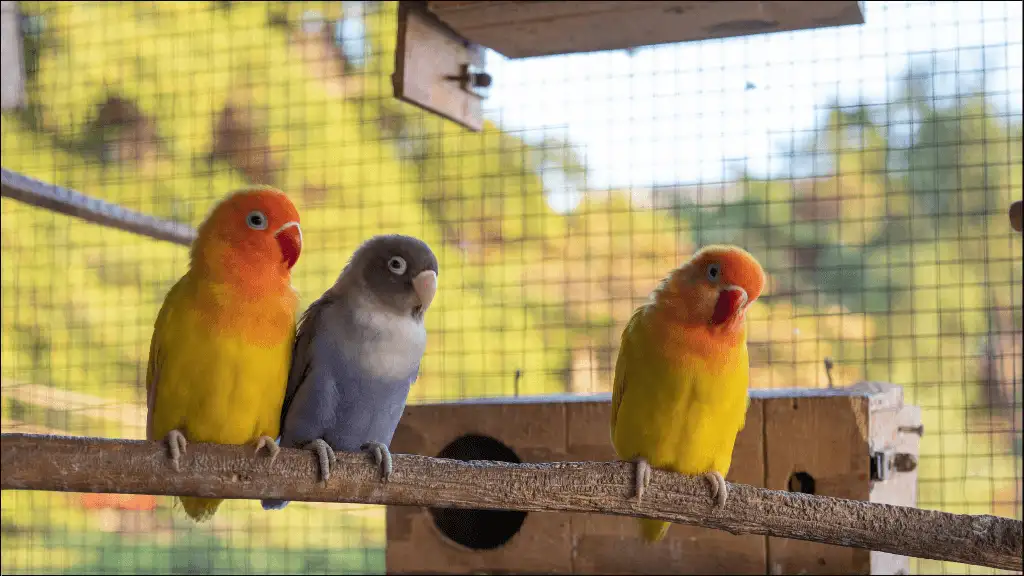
<point x="885" y="462"/>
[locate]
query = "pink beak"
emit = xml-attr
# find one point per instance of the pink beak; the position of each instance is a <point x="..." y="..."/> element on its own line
<point x="425" y="286"/>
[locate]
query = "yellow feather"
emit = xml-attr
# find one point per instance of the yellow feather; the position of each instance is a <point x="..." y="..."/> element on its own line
<point x="680" y="413"/>
<point x="213" y="386"/>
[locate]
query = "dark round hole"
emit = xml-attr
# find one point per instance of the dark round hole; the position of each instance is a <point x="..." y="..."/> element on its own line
<point x="478" y="529"/>
<point x="801" y="482"/>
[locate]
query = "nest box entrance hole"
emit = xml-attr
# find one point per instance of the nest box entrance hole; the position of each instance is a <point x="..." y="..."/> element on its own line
<point x="478" y="529"/>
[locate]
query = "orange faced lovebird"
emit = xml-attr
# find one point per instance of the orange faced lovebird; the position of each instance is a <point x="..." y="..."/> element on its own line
<point x="222" y="344"/>
<point x="680" y="391"/>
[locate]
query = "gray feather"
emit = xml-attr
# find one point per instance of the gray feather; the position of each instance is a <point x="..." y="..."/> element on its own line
<point x="356" y="355"/>
<point x="338" y="388"/>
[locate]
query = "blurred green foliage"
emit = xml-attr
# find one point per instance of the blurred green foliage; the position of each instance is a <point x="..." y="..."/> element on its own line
<point x="897" y="260"/>
<point x="906" y="231"/>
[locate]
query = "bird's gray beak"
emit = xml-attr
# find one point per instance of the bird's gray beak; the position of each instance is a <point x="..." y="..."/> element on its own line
<point x="425" y="285"/>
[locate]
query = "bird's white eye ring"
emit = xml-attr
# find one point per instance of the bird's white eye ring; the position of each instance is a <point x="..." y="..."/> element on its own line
<point x="397" y="265"/>
<point x="714" y="272"/>
<point x="256" y="220"/>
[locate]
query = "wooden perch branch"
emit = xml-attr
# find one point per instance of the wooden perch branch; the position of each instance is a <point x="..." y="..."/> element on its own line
<point x="32" y="462"/>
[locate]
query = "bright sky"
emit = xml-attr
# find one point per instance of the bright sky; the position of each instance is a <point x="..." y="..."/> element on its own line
<point x="685" y="113"/>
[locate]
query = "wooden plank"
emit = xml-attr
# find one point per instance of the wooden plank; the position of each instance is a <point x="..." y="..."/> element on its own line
<point x="611" y="545"/>
<point x="845" y="424"/>
<point x="826" y="438"/>
<point x="12" y="62"/>
<point x="536" y="433"/>
<point x="428" y="54"/>
<point x="894" y="430"/>
<point x="877" y="392"/>
<point x="525" y="29"/>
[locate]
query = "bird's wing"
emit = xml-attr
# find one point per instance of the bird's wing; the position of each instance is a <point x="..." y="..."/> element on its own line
<point x="158" y="350"/>
<point x="622" y="363"/>
<point x="302" y="352"/>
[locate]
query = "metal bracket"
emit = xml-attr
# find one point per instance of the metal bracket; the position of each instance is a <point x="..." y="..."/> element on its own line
<point x="919" y="429"/>
<point x="474" y="80"/>
<point x="885" y="462"/>
<point x="881" y="464"/>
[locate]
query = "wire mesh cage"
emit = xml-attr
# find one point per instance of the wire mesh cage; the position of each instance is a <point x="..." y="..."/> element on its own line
<point x="868" y="168"/>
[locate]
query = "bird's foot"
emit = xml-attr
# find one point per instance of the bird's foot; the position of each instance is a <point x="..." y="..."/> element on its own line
<point x="270" y="444"/>
<point x="719" y="489"/>
<point x="325" y="456"/>
<point x="381" y="456"/>
<point x="176" y="443"/>
<point x="643" y="478"/>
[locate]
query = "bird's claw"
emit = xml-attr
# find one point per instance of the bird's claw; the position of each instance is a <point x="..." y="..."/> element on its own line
<point x="381" y="456"/>
<point x="270" y="444"/>
<point x="719" y="489"/>
<point x="176" y="443"/>
<point x="325" y="456"/>
<point x="643" y="478"/>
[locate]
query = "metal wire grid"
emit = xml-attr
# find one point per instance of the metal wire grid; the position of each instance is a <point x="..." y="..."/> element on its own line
<point x="868" y="168"/>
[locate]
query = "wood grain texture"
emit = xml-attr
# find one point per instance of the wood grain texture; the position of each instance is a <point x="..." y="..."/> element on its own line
<point x="839" y="461"/>
<point x="67" y="464"/>
<point x="604" y="544"/>
<point x="426" y="54"/>
<point x="535" y="434"/>
<point x="526" y="29"/>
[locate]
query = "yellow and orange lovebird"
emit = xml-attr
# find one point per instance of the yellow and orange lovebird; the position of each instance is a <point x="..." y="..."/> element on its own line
<point x="680" y="392"/>
<point x="222" y="345"/>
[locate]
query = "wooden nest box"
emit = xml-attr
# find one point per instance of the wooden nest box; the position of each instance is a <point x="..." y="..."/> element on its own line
<point x="859" y="442"/>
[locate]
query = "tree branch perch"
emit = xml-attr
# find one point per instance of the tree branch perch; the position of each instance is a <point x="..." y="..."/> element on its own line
<point x="67" y="201"/>
<point x="69" y="464"/>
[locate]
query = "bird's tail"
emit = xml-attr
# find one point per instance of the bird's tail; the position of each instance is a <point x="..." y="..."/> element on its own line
<point x="200" y="509"/>
<point x="273" y="504"/>
<point x="653" y="530"/>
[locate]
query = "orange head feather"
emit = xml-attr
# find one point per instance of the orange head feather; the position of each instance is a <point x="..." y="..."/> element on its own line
<point x="251" y="235"/>
<point x="709" y="295"/>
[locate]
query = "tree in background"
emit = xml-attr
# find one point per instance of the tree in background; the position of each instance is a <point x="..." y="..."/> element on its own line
<point x="896" y="218"/>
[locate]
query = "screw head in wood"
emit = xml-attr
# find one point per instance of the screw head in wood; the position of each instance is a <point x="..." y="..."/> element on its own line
<point x="902" y="462"/>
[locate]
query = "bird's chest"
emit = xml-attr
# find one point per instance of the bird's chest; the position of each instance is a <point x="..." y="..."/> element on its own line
<point x="384" y="347"/>
<point x="264" y="320"/>
<point x="681" y="414"/>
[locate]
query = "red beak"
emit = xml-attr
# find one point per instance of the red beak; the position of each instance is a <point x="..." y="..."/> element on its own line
<point x="289" y="238"/>
<point x="729" y="303"/>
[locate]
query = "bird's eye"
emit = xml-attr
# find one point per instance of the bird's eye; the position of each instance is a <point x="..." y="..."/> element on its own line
<point x="256" y="220"/>
<point x="714" y="272"/>
<point x="397" y="265"/>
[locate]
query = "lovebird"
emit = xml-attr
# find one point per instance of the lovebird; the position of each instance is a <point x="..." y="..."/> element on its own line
<point x="680" y="391"/>
<point x="358" y="352"/>
<point x="222" y="344"/>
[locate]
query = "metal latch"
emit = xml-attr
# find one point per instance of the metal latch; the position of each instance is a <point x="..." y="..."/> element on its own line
<point x="883" y="463"/>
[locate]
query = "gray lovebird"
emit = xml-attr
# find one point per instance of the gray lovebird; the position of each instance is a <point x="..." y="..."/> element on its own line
<point x="357" y="352"/>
